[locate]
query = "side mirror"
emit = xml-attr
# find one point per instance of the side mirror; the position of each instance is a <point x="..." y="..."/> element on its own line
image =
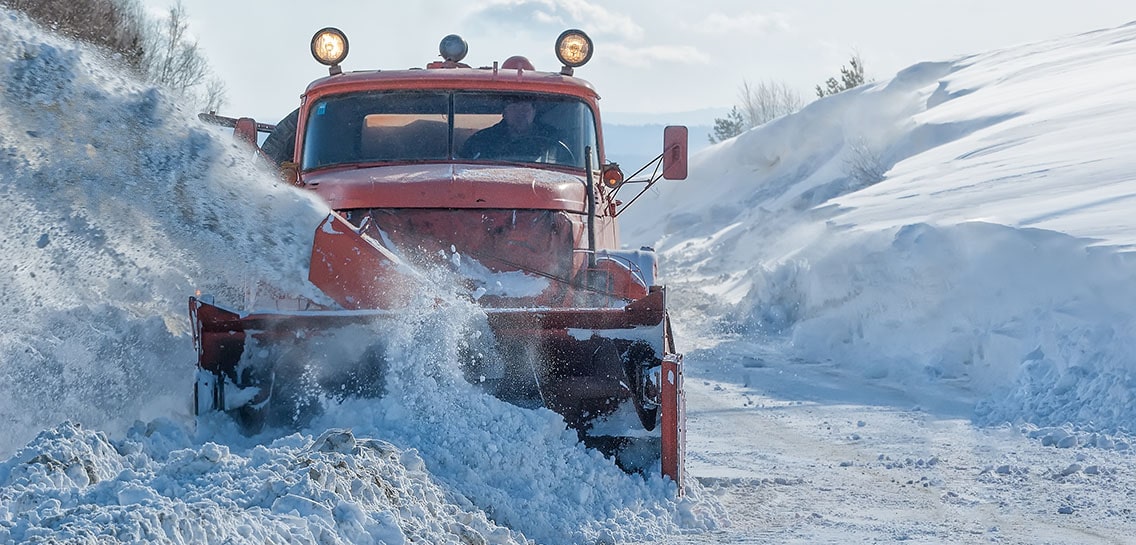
<point x="674" y="152"/>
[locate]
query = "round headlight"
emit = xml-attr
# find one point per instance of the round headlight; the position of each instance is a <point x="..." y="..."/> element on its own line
<point x="329" y="46"/>
<point x="453" y="48"/>
<point x="573" y="48"/>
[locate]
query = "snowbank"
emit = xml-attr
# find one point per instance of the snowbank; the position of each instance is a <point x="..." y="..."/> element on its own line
<point x="960" y="231"/>
<point x="72" y="484"/>
<point x="116" y="207"/>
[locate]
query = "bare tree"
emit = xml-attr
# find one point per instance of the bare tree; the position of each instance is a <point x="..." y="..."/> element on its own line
<point x="759" y="104"/>
<point x="214" y="96"/>
<point x="767" y="101"/>
<point x="174" y="60"/>
<point x="864" y="164"/>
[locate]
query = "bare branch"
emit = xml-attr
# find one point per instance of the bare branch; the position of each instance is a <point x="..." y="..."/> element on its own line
<point x="767" y="101"/>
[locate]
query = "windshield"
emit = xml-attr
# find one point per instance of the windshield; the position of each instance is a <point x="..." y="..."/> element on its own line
<point x="417" y="126"/>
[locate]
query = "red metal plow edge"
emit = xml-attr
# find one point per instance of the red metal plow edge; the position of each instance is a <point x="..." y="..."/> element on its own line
<point x="673" y="420"/>
<point x="356" y="270"/>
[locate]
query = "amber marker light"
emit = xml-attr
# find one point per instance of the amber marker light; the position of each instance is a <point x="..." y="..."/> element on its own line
<point x="612" y="176"/>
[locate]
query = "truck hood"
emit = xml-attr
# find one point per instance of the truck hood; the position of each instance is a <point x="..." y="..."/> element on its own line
<point x="449" y="186"/>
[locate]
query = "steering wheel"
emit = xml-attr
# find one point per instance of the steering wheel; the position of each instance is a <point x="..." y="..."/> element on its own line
<point x="542" y="149"/>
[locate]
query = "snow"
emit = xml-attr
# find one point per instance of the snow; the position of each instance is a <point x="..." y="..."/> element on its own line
<point x="116" y="208"/>
<point x="932" y="267"/>
<point x="906" y="313"/>
<point x="992" y="256"/>
<point x="487" y="282"/>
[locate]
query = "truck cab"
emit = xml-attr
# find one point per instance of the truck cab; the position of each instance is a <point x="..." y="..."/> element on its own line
<point x="430" y="160"/>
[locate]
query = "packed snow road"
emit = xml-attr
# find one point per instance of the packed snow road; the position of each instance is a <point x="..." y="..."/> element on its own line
<point x="798" y="453"/>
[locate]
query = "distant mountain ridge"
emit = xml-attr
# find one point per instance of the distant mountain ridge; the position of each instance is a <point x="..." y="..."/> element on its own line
<point x="701" y="116"/>
<point x="632" y="146"/>
<point x="633" y="139"/>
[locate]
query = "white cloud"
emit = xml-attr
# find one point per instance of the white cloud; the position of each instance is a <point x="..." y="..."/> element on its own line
<point x="646" y="56"/>
<point x="717" y="22"/>
<point x="589" y="17"/>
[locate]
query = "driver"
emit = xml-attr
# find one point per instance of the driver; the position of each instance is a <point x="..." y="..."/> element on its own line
<point x="516" y="136"/>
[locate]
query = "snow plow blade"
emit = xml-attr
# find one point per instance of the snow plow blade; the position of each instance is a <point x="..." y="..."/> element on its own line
<point x="356" y="270"/>
<point x="610" y="372"/>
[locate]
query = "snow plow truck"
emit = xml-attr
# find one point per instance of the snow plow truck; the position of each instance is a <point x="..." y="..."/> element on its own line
<point x="504" y="165"/>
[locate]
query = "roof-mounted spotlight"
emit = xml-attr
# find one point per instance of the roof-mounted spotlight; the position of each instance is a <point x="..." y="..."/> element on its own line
<point x="574" y="49"/>
<point x="453" y="48"/>
<point x="329" y="46"/>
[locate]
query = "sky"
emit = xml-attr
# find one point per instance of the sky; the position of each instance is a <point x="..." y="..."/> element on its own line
<point x="652" y="56"/>
<point x="906" y="313"/>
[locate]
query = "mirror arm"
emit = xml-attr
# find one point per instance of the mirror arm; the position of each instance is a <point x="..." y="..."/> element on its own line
<point x="657" y="162"/>
<point x="655" y="176"/>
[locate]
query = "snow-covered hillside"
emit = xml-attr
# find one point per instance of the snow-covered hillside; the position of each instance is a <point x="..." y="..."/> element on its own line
<point x="895" y="304"/>
<point x="908" y="309"/>
<point x="962" y="230"/>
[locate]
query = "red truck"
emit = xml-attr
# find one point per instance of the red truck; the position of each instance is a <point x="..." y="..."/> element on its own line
<point x="504" y="165"/>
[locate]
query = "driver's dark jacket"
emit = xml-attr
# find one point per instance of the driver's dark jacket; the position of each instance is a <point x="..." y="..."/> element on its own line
<point x="495" y="142"/>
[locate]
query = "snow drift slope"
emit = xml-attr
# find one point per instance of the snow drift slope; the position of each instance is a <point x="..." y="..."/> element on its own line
<point x="960" y="231"/>
<point x="116" y="206"/>
<point x="74" y="485"/>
